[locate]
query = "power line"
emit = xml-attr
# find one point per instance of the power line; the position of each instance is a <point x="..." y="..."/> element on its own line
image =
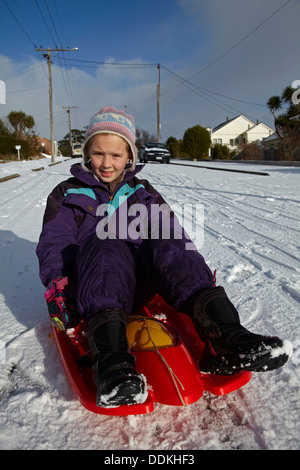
<point x="196" y="87"/>
<point x="62" y="69"/>
<point x="16" y="19"/>
<point x="61" y="26"/>
<point x="52" y="22"/>
<point x="22" y="28"/>
<point x="53" y="25"/>
<point x="19" y="73"/>
<point x="45" y="22"/>
<point x="26" y="89"/>
<point x="191" y="87"/>
<point x="121" y="64"/>
<point x="68" y="72"/>
<point x="241" y="40"/>
<point x="25" y="21"/>
<point x="235" y="45"/>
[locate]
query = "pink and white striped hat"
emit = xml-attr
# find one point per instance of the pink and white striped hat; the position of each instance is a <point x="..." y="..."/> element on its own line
<point x="111" y="121"/>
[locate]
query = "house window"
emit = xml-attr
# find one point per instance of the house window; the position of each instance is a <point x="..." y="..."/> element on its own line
<point x="217" y="141"/>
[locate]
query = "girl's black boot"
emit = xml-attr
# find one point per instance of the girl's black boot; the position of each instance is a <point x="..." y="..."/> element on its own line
<point x="229" y="347"/>
<point x="116" y="379"/>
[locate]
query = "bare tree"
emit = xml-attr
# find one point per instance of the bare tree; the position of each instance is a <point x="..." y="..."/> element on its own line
<point x="143" y="136"/>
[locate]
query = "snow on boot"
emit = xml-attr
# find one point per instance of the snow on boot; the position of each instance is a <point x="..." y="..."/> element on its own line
<point x="229" y="347"/>
<point x="120" y="384"/>
<point x="115" y="377"/>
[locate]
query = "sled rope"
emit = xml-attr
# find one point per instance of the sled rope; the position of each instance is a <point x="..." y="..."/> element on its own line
<point x="174" y="377"/>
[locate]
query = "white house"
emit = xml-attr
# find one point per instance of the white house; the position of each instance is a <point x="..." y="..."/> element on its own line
<point x="239" y="130"/>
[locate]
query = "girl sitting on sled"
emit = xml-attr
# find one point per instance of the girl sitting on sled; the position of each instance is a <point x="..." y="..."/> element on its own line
<point x="98" y="265"/>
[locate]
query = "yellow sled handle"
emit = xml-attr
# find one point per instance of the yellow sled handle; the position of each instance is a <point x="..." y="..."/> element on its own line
<point x="146" y="334"/>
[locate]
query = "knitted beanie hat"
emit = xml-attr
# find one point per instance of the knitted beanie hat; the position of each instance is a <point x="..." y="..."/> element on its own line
<point x="110" y="121"/>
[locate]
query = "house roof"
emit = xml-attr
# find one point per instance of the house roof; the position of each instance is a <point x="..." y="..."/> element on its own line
<point x="259" y="124"/>
<point x="223" y="124"/>
<point x="272" y="138"/>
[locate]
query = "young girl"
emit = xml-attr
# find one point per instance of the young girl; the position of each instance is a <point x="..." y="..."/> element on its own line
<point x="98" y="263"/>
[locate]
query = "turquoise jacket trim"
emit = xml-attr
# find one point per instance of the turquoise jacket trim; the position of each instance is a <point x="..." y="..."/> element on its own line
<point x="86" y="191"/>
<point x="120" y="197"/>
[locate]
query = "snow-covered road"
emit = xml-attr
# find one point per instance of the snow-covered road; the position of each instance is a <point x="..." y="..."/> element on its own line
<point x="252" y="232"/>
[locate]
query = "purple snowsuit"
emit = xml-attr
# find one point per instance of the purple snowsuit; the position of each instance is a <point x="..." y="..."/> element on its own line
<point x="122" y="270"/>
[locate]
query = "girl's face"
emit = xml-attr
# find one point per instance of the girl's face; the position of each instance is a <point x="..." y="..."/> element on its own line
<point x="109" y="155"/>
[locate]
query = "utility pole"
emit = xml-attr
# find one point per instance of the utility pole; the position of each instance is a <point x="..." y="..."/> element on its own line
<point x="48" y="56"/>
<point x="158" y="105"/>
<point x="70" y="129"/>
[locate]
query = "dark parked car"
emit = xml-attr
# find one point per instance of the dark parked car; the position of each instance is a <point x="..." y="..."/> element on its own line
<point x="154" y="152"/>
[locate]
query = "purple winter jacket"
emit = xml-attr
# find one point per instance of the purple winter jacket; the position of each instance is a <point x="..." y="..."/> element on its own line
<point x="81" y="206"/>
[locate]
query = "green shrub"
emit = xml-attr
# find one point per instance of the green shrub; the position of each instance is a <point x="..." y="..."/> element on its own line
<point x="8" y="147"/>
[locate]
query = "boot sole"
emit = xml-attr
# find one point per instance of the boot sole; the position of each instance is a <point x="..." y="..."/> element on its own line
<point x="261" y="361"/>
<point x="128" y="392"/>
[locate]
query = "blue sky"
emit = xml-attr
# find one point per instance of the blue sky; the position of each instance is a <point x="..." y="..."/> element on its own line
<point x="218" y="59"/>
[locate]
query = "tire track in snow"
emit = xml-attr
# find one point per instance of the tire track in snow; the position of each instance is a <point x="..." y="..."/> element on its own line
<point x="25" y="185"/>
<point x="226" y="217"/>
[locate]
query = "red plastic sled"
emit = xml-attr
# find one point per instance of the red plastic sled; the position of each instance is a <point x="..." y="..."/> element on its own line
<point x="172" y="374"/>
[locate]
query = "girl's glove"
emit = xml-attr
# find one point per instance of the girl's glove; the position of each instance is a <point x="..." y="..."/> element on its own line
<point x="61" y="304"/>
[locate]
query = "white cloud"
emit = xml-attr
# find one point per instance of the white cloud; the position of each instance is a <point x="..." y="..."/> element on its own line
<point x="27" y="90"/>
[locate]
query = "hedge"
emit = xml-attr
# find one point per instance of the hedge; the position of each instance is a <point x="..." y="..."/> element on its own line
<point x="8" y="144"/>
